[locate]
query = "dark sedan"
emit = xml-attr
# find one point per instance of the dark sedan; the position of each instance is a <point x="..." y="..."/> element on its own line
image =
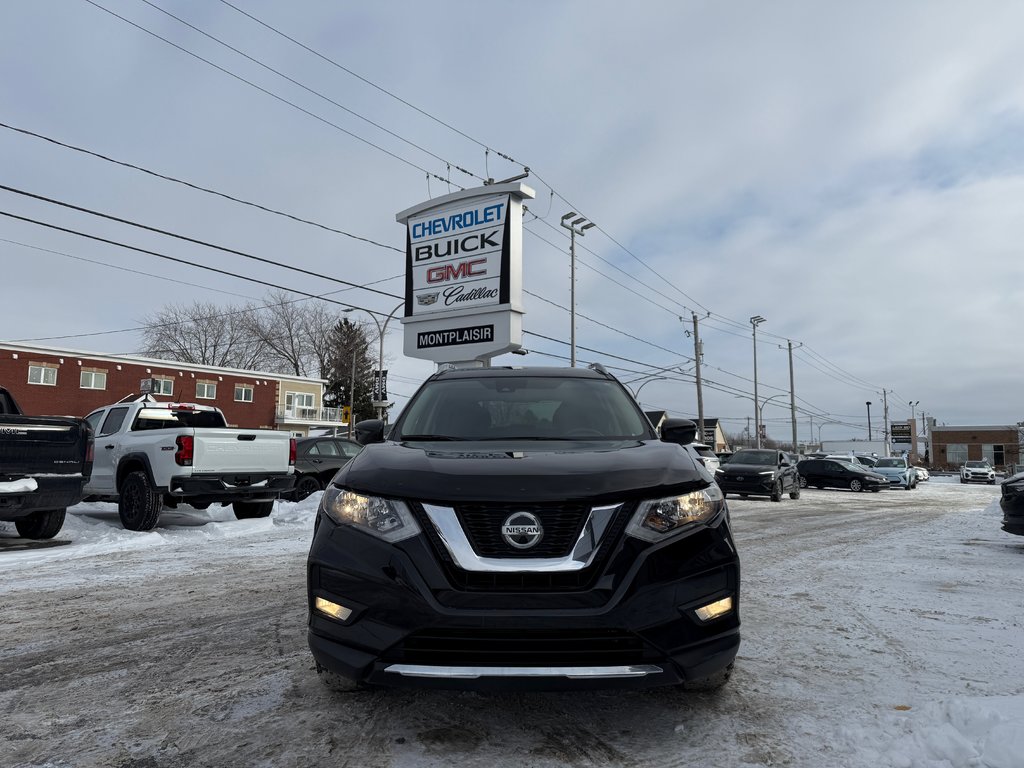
<point x="759" y="472"/>
<point x="317" y="460"/>
<point x="829" y="473"/>
<point x="1012" y="504"/>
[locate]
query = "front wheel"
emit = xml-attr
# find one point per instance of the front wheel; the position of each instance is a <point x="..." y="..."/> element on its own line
<point x="777" y="492"/>
<point x="856" y="485"/>
<point x="246" y="510"/>
<point x="803" y="481"/>
<point x="139" y="503"/>
<point x="41" y="525"/>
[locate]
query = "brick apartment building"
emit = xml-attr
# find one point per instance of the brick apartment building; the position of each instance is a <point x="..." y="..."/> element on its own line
<point x="52" y="381"/>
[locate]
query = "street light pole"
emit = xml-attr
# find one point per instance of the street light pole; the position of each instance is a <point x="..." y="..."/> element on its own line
<point x="869" y="419"/>
<point x="755" y="321"/>
<point x="574" y="228"/>
<point x="381" y="330"/>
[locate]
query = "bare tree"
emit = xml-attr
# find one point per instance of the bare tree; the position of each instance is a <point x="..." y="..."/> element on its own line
<point x="204" y="334"/>
<point x="283" y="335"/>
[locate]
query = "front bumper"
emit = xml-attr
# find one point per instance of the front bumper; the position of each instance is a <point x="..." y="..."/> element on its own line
<point x="751" y="484"/>
<point x="978" y="477"/>
<point x="631" y="625"/>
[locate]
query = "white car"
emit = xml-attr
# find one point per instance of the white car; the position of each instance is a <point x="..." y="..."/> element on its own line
<point x="922" y="474"/>
<point x="706" y="456"/>
<point x="897" y="471"/>
<point x="977" y="472"/>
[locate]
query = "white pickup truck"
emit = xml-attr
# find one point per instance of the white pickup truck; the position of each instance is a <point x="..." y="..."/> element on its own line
<point x="150" y="455"/>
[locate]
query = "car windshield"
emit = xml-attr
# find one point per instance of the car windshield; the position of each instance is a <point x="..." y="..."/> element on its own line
<point x="754" y="458"/>
<point x="977" y="464"/>
<point x="522" y="408"/>
<point x="899" y="463"/>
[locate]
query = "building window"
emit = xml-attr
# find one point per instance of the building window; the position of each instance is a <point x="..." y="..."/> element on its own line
<point x="956" y="453"/>
<point x="243" y="393"/>
<point x="994" y="453"/>
<point x="206" y="390"/>
<point x="42" y="374"/>
<point x="163" y="387"/>
<point x="299" y="405"/>
<point x="93" y="379"/>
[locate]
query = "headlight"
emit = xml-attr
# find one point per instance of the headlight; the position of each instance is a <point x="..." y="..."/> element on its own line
<point x="387" y="519"/>
<point x="766" y="474"/>
<point x="660" y="517"/>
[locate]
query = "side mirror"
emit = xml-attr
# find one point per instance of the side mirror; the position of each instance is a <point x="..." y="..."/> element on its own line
<point x="680" y="431"/>
<point x="370" y="431"/>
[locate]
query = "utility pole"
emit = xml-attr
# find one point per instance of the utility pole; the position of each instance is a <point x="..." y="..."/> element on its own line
<point x="352" y="395"/>
<point x="868" y="403"/>
<point x="755" y="321"/>
<point x="792" y="391"/>
<point x="885" y="420"/>
<point x="574" y="229"/>
<point x="697" y="349"/>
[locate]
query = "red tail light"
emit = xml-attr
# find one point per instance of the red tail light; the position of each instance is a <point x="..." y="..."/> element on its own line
<point x="186" y="446"/>
<point x="291" y="452"/>
<point x="89" y="452"/>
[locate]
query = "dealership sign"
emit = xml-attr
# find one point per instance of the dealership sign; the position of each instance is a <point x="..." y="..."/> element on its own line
<point x="900" y="433"/>
<point x="463" y="274"/>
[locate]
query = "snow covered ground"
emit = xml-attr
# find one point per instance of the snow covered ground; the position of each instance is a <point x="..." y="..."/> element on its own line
<point x="878" y="630"/>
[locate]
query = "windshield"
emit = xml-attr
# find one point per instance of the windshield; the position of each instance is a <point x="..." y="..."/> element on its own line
<point x="755" y="458"/>
<point x="977" y="464"/>
<point x="522" y="408"/>
<point x="900" y="463"/>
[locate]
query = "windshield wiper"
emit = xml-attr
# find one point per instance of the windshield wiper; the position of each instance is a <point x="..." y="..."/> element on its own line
<point x="424" y="438"/>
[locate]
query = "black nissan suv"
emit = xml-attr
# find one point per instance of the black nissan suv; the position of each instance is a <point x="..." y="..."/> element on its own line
<point x="523" y="528"/>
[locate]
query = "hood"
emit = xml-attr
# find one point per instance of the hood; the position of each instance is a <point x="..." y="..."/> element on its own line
<point x="527" y="471"/>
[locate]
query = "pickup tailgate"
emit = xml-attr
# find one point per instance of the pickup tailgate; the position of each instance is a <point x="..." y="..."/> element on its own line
<point x="42" y="445"/>
<point x="240" y="450"/>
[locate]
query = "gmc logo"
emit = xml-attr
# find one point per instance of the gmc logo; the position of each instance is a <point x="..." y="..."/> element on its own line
<point x="463" y="269"/>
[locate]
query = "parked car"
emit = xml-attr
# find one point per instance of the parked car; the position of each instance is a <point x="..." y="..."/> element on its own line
<point x="523" y="528"/>
<point x="759" y="472"/>
<point x="922" y="474"/>
<point x="706" y="456"/>
<point x="44" y="464"/>
<point x="1011" y="501"/>
<point x="977" y="472"/>
<point x="854" y="458"/>
<point x="317" y="460"/>
<point x="897" y="471"/>
<point x="832" y="473"/>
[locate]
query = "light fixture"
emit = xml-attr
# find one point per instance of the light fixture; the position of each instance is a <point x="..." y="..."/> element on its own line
<point x="335" y="611"/>
<point x="714" y="610"/>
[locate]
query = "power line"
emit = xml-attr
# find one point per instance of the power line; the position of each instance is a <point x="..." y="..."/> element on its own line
<point x="185" y="238"/>
<point x="197" y="187"/>
<point x="273" y="95"/>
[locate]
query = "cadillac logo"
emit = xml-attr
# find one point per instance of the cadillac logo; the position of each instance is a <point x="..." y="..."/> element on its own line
<point x="522" y="530"/>
<point x="426" y="299"/>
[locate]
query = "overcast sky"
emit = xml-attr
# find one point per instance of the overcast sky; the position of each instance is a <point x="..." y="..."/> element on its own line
<point x="852" y="172"/>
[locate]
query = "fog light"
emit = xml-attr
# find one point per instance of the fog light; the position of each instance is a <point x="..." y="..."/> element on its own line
<point x="715" y="609"/>
<point x="335" y="611"/>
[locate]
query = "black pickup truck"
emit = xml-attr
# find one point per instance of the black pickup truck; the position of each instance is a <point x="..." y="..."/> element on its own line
<point x="44" y="464"/>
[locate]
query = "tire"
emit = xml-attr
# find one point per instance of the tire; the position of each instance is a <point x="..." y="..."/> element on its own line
<point x="777" y="492"/>
<point x="803" y="481"/>
<point x="139" y="503"/>
<point x="711" y="682"/>
<point x="306" y="486"/>
<point x="335" y="682"/>
<point x="41" y="525"/>
<point x="962" y="481"/>
<point x="246" y="510"/>
<point x="856" y="485"/>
